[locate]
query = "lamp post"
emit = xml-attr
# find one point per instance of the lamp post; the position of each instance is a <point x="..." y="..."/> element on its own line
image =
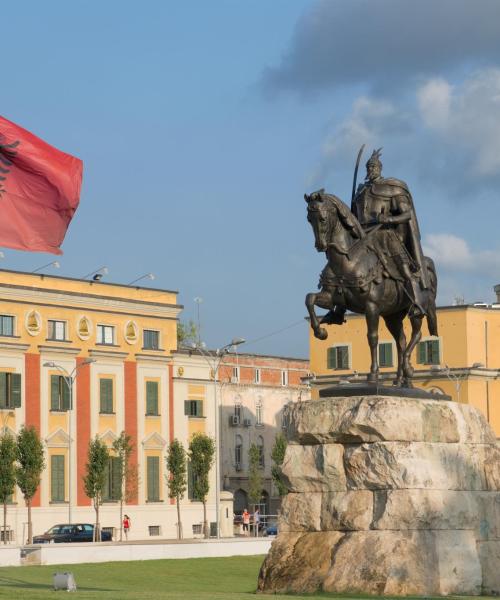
<point x="457" y="379"/>
<point x="214" y="360"/>
<point x="69" y="379"/>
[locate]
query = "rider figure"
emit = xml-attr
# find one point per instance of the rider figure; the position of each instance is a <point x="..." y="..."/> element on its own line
<point x="386" y="206"/>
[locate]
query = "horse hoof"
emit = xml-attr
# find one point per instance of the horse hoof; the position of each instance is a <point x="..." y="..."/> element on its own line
<point x="321" y="333"/>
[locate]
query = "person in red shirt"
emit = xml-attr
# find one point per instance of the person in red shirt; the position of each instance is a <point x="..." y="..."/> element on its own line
<point x="126" y="525"/>
<point x="246" y="522"/>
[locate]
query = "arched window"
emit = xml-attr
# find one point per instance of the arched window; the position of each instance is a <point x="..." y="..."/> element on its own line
<point x="240" y="501"/>
<point x="238" y="452"/>
<point x="258" y="411"/>
<point x="260" y="446"/>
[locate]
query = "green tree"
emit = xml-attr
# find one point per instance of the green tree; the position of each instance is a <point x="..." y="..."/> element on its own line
<point x="30" y="464"/>
<point x="201" y="458"/>
<point x="95" y="478"/>
<point x="8" y="455"/>
<point x="278" y="456"/>
<point x="176" y="478"/>
<point x="187" y="332"/>
<point x="254" y="475"/>
<point x="123" y="447"/>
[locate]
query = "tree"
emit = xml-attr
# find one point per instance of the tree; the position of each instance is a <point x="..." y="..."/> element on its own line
<point x="201" y="457"/>
<point x="123" y="447"/>
<point x="8" y="456"/>
<point x="254" y="475"/>
<point x="187" y="332"/>
<point x="95" y="478"/>
<point x="278" y="456"/>
<point x="30" y="464"/>
<point x="176" y="479"/>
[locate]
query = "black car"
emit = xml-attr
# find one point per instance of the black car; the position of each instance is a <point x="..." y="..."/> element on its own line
<point x="77" y="532"/>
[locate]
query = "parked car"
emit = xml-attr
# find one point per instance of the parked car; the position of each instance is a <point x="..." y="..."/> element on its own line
<point x="76" y="532"/>
<point x="271" y="527"/>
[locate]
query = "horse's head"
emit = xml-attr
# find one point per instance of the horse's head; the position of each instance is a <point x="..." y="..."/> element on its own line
<point x="319" y="210"/>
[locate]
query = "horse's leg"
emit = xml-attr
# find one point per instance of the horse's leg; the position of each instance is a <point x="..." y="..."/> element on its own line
<point x="323" y="299"/>
<point x="372" y="317"/>
<point x="416" y="334"/>
<point x="395" y="326"/>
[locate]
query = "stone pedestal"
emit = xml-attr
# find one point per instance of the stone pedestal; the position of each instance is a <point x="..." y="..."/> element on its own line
<point x="388" y="495"/>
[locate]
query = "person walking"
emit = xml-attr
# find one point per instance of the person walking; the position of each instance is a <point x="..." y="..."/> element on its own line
<point x="256" y="521"/>
<point x="246" y="522"/>
<point x="126" y="526"/>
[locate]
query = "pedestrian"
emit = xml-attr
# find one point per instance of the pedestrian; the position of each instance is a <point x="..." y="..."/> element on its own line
<point x="246" y="522"/>
<point x="126" y="525"/>
<point x="256" y="521"/>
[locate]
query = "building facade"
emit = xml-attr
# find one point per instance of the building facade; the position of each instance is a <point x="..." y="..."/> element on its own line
<point x="253" y="391"/>
<point x="463" y="362"/>
<point x="117" y="342"/>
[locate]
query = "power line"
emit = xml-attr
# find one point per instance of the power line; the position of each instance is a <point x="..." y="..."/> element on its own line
<point x="274" y="332"/>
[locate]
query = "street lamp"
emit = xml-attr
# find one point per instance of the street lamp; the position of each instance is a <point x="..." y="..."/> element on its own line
<point x="69" y="379"/>
<point x="457" y="379"/>
<point x="214" y="360"/>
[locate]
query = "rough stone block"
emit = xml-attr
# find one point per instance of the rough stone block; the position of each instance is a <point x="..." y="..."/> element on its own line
<point x="489" y="557"/>
<point x="317" y="468"/>
<point x="407" y="465"/>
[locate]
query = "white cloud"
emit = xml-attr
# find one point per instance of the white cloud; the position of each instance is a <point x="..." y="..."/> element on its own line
<point x="434" y="98"/>
<point x="453" y="253"/>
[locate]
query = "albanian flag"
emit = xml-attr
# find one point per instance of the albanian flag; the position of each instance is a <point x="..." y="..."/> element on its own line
<point x="39" y="191"/>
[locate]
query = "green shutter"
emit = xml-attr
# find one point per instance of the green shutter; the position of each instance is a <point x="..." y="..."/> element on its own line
<point x="153" y="465"/>
<point x="106" y="395"/>
<point x="3" y="390"/>
<point x="186" y="408"/>
<point x="433" y="352"/>
<point x="151" y="397"/>
<point x="421" y="353"/>
<point x="54" y="392"/>
<point x="199" y="408"/>
<point x="65" y="394"/>
<point x="343" y="358"/>
<point x="331" y="359"/>
<point x="385" y="355"/>
<point x="57" y="478"/>
<point x="15" y="390"/>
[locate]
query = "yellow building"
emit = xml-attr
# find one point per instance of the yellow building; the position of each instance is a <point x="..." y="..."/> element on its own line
<point x="117" y="343"/>
<point x="463" y="362"/>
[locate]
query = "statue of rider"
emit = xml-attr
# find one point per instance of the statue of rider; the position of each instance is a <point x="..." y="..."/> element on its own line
<point x="384" y="206"/>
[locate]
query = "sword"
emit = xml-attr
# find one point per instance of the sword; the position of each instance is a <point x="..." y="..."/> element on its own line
<point x="356" y="172"/>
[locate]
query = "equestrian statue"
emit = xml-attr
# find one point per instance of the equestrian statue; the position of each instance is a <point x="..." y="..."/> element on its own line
<point x="375" y="264"/>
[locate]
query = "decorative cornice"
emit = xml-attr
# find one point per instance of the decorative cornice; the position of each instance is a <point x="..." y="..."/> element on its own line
<point x="107" y="354"/>
<point x="59" y="350"/>
<point x="153" y="358"/>
<point x="15" y="346"/>
<point x="87" y="302"/>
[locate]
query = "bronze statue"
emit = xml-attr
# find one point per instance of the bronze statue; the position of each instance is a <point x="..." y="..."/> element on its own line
<point x="375" y="264"/>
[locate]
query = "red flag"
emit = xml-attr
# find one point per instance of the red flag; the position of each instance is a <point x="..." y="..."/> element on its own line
<point x="39" y="191"/>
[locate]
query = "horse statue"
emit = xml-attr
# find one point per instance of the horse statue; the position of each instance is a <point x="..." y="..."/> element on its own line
<point x="356" y="278"/>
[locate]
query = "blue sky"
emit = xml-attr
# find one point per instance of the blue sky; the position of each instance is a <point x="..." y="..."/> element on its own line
<point x="201" y="124"/>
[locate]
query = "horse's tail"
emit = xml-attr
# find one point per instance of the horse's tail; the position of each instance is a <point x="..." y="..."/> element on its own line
<point x="431" y="307"/>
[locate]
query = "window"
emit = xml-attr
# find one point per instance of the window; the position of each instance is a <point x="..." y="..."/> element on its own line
<point x="256" y="378"/>
<point x="258" y="411"/>
<point x="57" y="330"/>
<point x="151" y="339"/>
<point x="59" y="393"/>
<point x="57" y="478"/>
<point x="10" y="390"/>
<point x="260" y="446"/>
<point x="238" y="451"/>
<point x="152" y="398"/>
<point x="106" y="395"/>
<point x="428" y="352"/>
<point x="105" y="334"/>
<point x="337" y="357"/>
<point x="284" y="377"/>
<point x="193" y="408"/>
<point x="113" y="481"/>
<point x="235" y="377"/>
<point x="6" y="325"/>
<point x="153" y="475"/>
<point x="237" y="410"/>
<point x="385" y="355"/>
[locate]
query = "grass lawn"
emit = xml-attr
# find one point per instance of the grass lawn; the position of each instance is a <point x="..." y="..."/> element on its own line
<point x="232" y="578"/>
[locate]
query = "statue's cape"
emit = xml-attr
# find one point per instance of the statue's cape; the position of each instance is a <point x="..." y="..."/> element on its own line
<point x="389" y="187"/>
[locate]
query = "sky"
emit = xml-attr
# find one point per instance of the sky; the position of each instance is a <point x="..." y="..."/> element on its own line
<point x="202" y="124"/>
